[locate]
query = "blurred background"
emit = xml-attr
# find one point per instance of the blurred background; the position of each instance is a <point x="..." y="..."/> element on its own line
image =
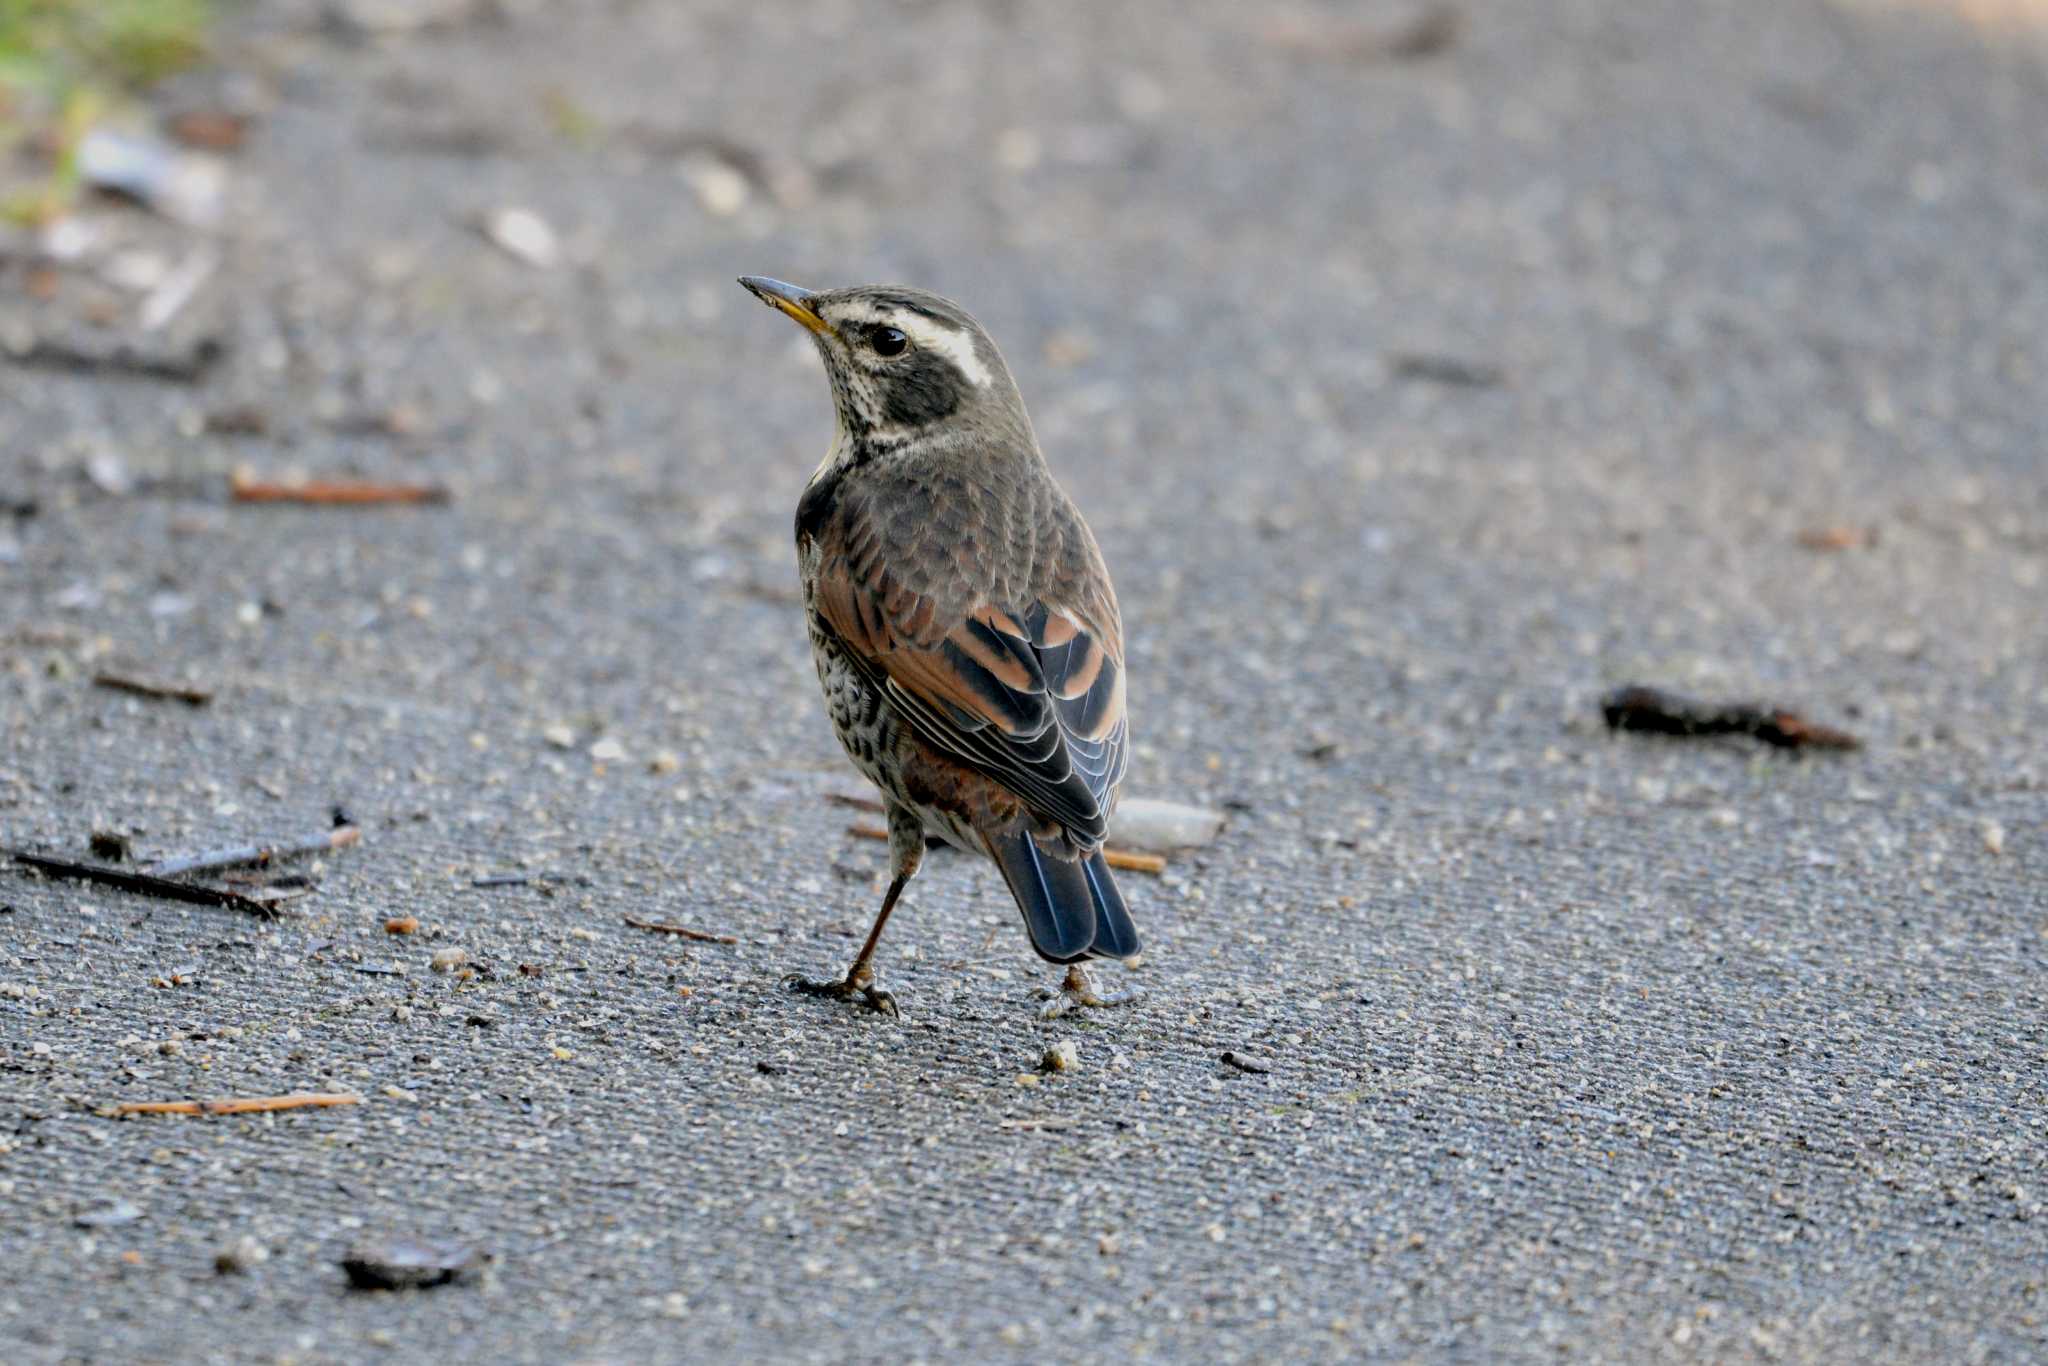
<point x="1425" y="370"/>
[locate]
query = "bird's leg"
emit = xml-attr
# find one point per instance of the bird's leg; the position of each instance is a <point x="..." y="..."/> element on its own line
<point x="1078" y="991"/>
<point x="906" y="852"/>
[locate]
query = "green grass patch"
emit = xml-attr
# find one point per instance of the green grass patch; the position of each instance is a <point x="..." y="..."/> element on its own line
<point x="123" y="45"/>
<point x="66" y="65"/>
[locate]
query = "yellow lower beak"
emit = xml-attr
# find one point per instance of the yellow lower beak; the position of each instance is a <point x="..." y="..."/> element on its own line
<point x="791" y="299"/>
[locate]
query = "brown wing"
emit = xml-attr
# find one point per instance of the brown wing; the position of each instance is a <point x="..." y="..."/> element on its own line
<point x="1029" y="694"/>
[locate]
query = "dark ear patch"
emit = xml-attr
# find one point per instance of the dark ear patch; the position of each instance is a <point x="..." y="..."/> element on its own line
<point x="920" y="388"/>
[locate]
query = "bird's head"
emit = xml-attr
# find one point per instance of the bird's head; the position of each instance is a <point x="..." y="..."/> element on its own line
<point x="904" y="363"/>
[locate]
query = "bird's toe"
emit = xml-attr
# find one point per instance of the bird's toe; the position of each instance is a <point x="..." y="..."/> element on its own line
<point x="1079" y="991"/>
<point x="843" y="989"/>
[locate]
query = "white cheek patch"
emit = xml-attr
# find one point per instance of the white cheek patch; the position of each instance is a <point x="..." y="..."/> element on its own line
<point x="928" y="335"/>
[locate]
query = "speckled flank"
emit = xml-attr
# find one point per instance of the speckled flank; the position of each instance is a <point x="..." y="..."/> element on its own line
<point x="868" y="729"/>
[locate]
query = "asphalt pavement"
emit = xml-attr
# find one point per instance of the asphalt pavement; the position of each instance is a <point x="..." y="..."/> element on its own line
<point x="1422" y="377"/>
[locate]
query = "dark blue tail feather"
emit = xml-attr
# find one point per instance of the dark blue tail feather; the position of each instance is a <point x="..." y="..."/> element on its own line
<point x="1072" y="910"/>
<point x="1115" y="935"/>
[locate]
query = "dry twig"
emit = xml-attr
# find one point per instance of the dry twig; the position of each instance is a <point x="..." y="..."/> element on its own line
<point x="1838" y="537"/>
<point x="1115" y="858"/>
<point x="1134" y="861"/>
<point x="1427" y="33"/>
<point x="146" y="884"/>
<point x="336" y="492"/>
<point x="256" y="855"/>
<point x="238" y="1105"/>
<point x="1446" y="370"/>
<point x="1045" y="1124"/>
<point x="188" y="366"/>
<point x="149" y="687"/>
<point x="681" y="931"/>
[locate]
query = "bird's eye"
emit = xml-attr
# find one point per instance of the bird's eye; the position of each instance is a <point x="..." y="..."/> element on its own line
<point x="887" y="341"/>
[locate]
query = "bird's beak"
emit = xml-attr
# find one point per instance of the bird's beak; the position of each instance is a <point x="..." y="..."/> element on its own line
<point x="791" y="299"/>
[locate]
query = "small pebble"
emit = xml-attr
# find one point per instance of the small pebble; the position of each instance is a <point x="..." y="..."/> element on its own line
<point x="1063" y="1056"/>
<point x="411" y="1264"/>
<point x="607" y="751"/>
<point x="561" y="737"/>
<point x="402" y="924"/>
<point x="108" y="1214"/>
<point x="447" y="960"/>
<point x="720" y="187"/>
<point x="1162" y="827"/>
<point x="525" y="236"/>
<point x="240" y="1257"/>
<point x="1994" y="837"/>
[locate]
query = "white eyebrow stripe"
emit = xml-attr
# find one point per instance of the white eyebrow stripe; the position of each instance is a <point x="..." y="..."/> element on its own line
<point x="858" y="311"/>
<point x="956" y="346"/>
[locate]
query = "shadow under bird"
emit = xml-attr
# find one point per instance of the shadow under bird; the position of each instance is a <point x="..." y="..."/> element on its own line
<point x="965" y="630"/>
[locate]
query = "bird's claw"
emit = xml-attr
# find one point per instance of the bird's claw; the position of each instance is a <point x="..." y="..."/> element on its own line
<point x="1078" y="992"/>
<point x="845" y="989"/>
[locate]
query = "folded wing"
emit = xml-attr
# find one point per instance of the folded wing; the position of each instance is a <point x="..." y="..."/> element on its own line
<point x="1029" y="694"/>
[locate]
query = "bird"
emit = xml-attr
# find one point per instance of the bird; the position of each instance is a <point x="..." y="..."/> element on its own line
<point x="966" y="633"/>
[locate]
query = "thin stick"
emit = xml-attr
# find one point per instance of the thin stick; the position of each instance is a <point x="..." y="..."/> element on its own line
<point x="238" y="1105"/>
<point x="1134" y="861"/>
<point x="256" y="855"/>
<point x="1445" y="370"/>
<point x="1116" y="858"/>
<point x="147" y="687"/>
<point x="188" y="366"/>
<point x="335" y="492"/>
<point x="1837" y="537"/>
<point x="683" y="931"/>
<point x="857" y="803"/>
<point x="145" y="884"/>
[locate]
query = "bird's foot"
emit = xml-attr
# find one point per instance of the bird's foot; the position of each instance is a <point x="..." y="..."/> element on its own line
<point x="1078" y="991"/>
<point x="845" y="989"/>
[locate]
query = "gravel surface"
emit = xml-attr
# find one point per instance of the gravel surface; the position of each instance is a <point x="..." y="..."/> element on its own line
<point x="1416" y="397"/>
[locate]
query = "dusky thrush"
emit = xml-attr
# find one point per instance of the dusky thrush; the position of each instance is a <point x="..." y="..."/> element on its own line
<point x="965" y="630"/>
